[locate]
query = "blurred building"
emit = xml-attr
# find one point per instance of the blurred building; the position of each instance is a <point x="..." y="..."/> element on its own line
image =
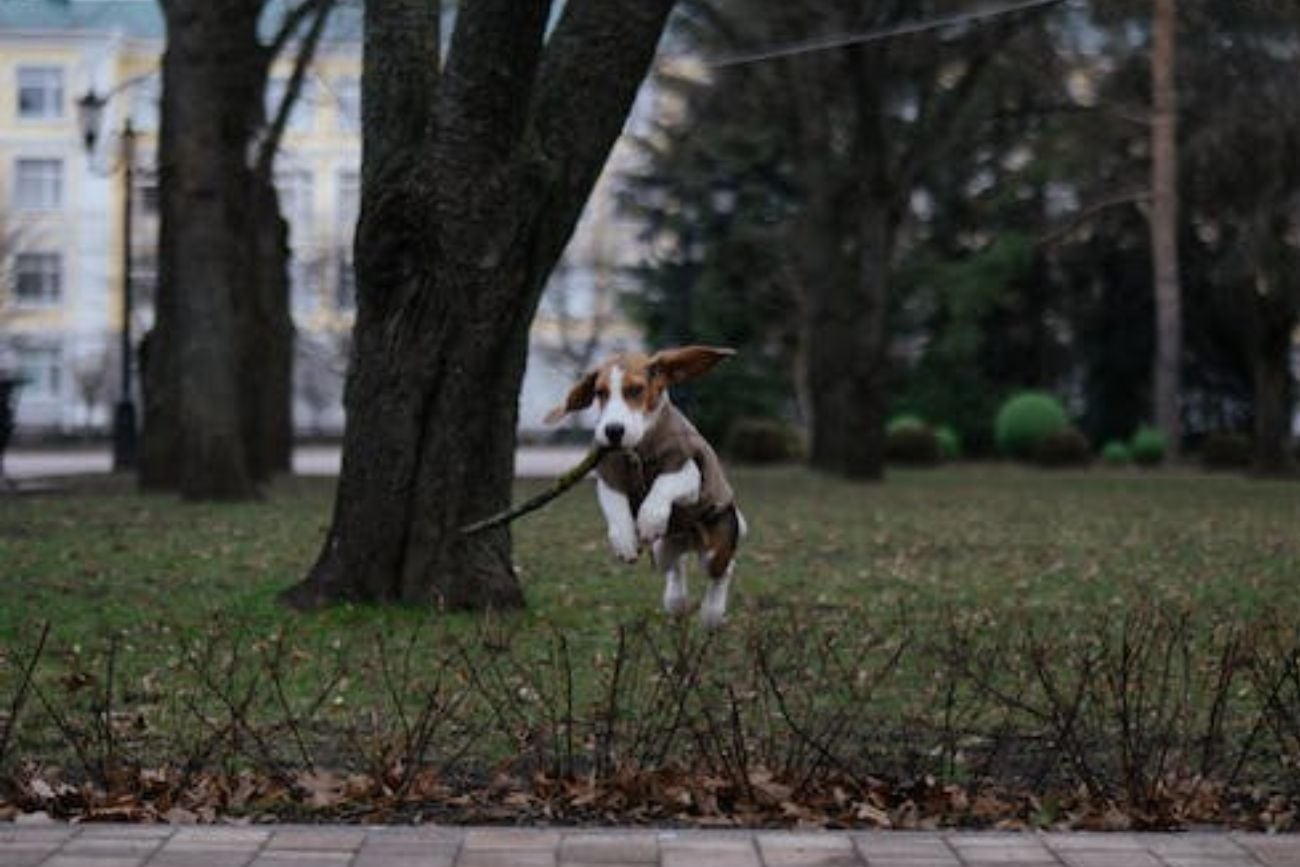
<point x="61" y="218"/>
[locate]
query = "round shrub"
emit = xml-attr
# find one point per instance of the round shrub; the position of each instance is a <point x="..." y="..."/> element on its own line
<point x="906" y="420"/>
<point x="912" y="445"/>
<point x="1226" y="451"/>
<point x="1065" y="448"/>
<point x="761" y="441"/>
<point x="949" y="442"/>
<point x="1148" y="446"/>
<point x="1025" y="421"/>
<point x="1116" y="453"/>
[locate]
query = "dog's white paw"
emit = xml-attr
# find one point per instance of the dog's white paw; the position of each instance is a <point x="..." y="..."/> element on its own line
<point x="712" y="616"/>
<point x="652" y="520"/>
<point x="624" y="545"/>
<point x="676" y="605"/>
<point x="713" y="611"/>
<point x="676" y="599"/>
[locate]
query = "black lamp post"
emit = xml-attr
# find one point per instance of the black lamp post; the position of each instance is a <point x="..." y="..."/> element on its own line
<point x="8" y="388"/>
<point x="90" y="109"/>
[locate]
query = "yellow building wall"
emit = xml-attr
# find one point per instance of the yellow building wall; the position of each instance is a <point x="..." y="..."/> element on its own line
<point x="327" y="146"/>
<point x="37" y="230"/>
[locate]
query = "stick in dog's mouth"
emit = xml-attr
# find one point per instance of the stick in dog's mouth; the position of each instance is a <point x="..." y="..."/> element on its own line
<point x="566" y="481"/>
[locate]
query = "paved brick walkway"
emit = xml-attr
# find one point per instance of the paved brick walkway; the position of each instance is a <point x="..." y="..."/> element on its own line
<point x="52" y="845"/>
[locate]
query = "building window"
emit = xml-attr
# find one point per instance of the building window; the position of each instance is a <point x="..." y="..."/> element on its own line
<point x="349" y="204"/>
<point x="41" y="369"/>
<point x="304" y="281"/>
<point x="38" y="184"/>
<point x="300" y="116"/>
<point x="38" y="279"/>
<point x="347" y="209"/>
<point x="294" y="187"/>
<point x="347" y="94"/>
<point x="345" y="290"/>
<point x="146" y="192"/>
<point x="144" y="279"/>
<point x="146" y="104"/>
<point x="40" y="93"/>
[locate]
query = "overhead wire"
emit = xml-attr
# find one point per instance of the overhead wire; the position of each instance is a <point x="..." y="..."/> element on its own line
<point x="839" y="40"/>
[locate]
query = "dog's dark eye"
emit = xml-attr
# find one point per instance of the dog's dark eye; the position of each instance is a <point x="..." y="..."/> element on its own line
<point x="632" y="392"/>
<point x="602" y="394"/>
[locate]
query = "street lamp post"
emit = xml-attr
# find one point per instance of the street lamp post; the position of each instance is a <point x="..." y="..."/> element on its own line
<point x="91" y="110"/>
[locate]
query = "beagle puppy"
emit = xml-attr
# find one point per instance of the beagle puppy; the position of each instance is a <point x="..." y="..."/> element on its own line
<point x="662" y="485"/>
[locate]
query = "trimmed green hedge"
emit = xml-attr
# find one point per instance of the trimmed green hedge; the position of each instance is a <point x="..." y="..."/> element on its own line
<point x="1117" y="453"/>
<point x="1025" y="421"/>
<point x="949" y="442"/>
<point x="1148" y="446"/>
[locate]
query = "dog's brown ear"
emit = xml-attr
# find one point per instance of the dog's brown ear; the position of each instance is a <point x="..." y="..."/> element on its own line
<point x="580" y="397"/>
<point x="688" y="362"/>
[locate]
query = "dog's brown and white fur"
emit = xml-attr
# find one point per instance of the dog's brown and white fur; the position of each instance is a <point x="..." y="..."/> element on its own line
<point x="663" y="487"/>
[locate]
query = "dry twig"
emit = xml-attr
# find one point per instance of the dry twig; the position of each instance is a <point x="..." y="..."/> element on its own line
<point x="562" y="484"/>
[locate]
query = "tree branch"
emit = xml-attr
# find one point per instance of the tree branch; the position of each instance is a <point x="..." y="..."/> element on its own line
<point x="400" y="79"/>
<point x="293" y="90"/>
<point x="488" y="80"/>
<point x="289" y="25"/>
<point x="1058" y="233"/>
<point x="560" y="485"/>
<point x="946" y="112"/>
<point x="594" y="64"/>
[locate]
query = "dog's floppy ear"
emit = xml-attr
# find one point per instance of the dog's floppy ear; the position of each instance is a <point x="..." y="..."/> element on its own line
<point x="688" y="362"/>
<point x="580" y="397"/>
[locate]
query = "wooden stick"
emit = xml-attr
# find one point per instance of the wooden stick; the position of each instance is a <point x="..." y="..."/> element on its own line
<point x="562" y="484"/>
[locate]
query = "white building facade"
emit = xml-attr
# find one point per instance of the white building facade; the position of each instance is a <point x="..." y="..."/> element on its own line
<point x="61" y="221"/>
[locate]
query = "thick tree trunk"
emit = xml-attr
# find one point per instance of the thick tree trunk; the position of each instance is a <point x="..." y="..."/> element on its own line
<point x="1164" y="226"/>
<point x="159" y="382"/>
<point x="473" y="179"/>
<point x="214" y="81"/>
<point x="266" y="329"/>
<point x="266" y="336"/>
<point x="204" y="92"/>
<point x="852" y="177"/>
<point x="429" y="445"/>
<point x="845" y="348"/>
<point x="1271" y="378"/>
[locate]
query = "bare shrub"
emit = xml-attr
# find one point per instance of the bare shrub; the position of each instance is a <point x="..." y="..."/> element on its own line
<point x="1152" y="718"/>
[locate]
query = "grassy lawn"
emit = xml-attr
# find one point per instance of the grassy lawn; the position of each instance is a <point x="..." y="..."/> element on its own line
<point x="100" y="558"/>
<point x="964" y="568"/>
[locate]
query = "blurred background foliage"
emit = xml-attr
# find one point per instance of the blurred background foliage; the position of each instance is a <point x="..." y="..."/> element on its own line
<point x="1022" y="256"/>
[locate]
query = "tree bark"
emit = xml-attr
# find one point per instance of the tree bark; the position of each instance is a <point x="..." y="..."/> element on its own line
<point x="845" y="342"/>
<point x="204" y="79"/>
<point x="1271" y="380"/>
<point x="1164" y="226"/>
<point x="215" y="193"/>
<point x="267" y="330"/>
<point x="848" y="226"/>
<point x="266" y="335"/>
<point x="159" y="382"/>
<point x="473" y="179"/>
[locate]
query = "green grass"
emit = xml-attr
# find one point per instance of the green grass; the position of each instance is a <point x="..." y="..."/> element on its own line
<point x="979" y="573"/>
<point x="100" y="558"/>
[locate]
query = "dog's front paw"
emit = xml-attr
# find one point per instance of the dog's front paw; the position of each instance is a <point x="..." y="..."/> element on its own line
<point x="624" y="545"/>
<point x="676" y="603"/>
<point x="652" y="520"/>
<point x="712" y="615"/>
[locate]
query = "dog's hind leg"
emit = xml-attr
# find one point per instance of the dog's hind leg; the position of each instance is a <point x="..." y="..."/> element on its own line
<point x="713" y="610"/>
<point x="670" y="557"/>
<point x="718" y="560"/>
